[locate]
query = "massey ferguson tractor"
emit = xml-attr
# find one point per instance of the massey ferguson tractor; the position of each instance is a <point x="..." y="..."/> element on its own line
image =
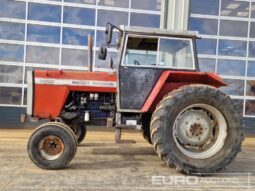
<point x="156" y="87"/>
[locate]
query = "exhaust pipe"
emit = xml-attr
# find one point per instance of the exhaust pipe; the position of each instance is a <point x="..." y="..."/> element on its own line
<point x="90" y="52"/>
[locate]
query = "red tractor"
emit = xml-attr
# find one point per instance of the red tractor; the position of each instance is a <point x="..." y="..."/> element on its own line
<point x="157" y="87"/>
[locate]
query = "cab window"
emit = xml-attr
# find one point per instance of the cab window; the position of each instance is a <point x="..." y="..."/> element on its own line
<point x="141" y="51"/>
<point x="159" y="52"/>
<point x="175" y="53"/>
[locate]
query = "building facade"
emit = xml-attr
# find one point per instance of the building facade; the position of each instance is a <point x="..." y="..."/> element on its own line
<point x="52" y="34"/>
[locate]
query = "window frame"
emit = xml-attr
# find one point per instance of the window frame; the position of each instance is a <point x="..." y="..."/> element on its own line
<point x="157" y="59"/>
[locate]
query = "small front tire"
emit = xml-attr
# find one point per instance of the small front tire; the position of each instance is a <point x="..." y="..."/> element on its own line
<point x="51" y="146"/>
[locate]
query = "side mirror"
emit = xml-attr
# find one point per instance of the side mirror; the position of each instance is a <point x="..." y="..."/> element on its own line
<point x="108" y="32"/>
<point x="102" y="53"/>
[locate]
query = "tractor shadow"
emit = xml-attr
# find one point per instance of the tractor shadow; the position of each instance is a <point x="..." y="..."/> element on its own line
<point x="104" y="165"/>
<point x="128" y="155"/>
<point x="97" y="145"/>
<point x="124" y="150"/>
<point x="131" y="157"/>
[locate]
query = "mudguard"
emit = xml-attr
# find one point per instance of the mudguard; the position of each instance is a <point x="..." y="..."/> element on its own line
<point x="170" y="80"/>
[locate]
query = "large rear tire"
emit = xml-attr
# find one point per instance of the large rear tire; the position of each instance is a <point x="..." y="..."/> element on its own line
<point x="52" y="146"/>
<point x="196" y="129"/>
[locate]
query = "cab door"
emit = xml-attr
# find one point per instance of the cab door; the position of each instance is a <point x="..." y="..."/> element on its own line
<point x="144" y="58"/>
<point x="136" y="76"/>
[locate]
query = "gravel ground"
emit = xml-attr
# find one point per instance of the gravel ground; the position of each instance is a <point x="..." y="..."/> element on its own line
<point x="100" y="164"/>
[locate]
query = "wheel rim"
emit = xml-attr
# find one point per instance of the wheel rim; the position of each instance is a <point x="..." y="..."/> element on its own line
<point x="51" y="147"/>
<point x="200" y="131"/>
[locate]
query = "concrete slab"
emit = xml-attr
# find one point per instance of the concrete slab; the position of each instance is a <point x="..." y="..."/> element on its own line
<point x="100" y="164"/>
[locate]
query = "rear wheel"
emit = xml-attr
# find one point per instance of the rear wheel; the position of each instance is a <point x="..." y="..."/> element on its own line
<point x="196" y="129"/>
<point x="51" y="146"/>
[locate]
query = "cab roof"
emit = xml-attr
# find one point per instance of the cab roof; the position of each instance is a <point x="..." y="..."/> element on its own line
<point x="160" y="32"/>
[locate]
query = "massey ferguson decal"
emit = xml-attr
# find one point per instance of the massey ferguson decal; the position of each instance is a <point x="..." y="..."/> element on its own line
<point x="92" y="83"/>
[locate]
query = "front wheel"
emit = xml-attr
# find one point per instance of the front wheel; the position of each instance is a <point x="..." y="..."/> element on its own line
<point x="52" y="146"/>
<point x="196" y="129"/>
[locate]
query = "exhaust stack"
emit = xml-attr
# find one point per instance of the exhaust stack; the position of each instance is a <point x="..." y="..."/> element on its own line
<point x="90" y="52"/>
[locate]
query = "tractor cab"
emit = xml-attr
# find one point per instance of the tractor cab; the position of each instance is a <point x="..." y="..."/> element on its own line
<point x="144" y="54"/>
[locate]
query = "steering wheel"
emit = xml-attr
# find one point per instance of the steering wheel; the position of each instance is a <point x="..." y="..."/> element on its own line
<point x="136" y="63"/>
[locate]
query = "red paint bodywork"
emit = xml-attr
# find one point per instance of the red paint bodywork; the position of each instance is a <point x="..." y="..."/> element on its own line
<point x="171" y="80"/>
<point x="50" y="99"/>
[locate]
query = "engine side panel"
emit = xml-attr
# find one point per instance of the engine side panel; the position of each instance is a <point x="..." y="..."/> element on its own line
<point x="49" y="100"/>
<point x="51" y="88"/>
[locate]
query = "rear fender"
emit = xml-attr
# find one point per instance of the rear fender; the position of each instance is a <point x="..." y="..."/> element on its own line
<point x="171" y="80"/>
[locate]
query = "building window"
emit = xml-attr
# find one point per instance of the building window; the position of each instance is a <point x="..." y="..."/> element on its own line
<point x="252" y="9"/>
<point x="44" y="12"/>
<point x="252" y="29"/>
<point x="250" y="107"/>
<point x="10" y="95"/>
<point x="11" y="74"/>
<point x="42" y="55"/>
<point x="145" y="20"/>
<point x="232" y="8"/>
<point x="232" y="48"/>
<point x="206" y="46"/>
<point x="252" y="49"/>
<point x="76" y="36"/>
<point x="48" y="34"/>
<point x="204" y="26"/>
<point x="250" y="88"/>
<point x="251" y="69"/>
<point x="207" y="64"/>
<point x="92" y="2"/>
<point x="231" y="67"/>
<point x="115" y="17"/>
<point x="114" y="3"/>
<point x="80" y="16"/>
<point x="11" y="52"/>
<point x="13" y="9"/>
<point x="233" y="28"/>
<point x="208" y="7"/>
<point x="12" y="31"/>
<point x="235" y="87"/>
<point x="72" y="57"/>
<point x="146" y="4"/>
